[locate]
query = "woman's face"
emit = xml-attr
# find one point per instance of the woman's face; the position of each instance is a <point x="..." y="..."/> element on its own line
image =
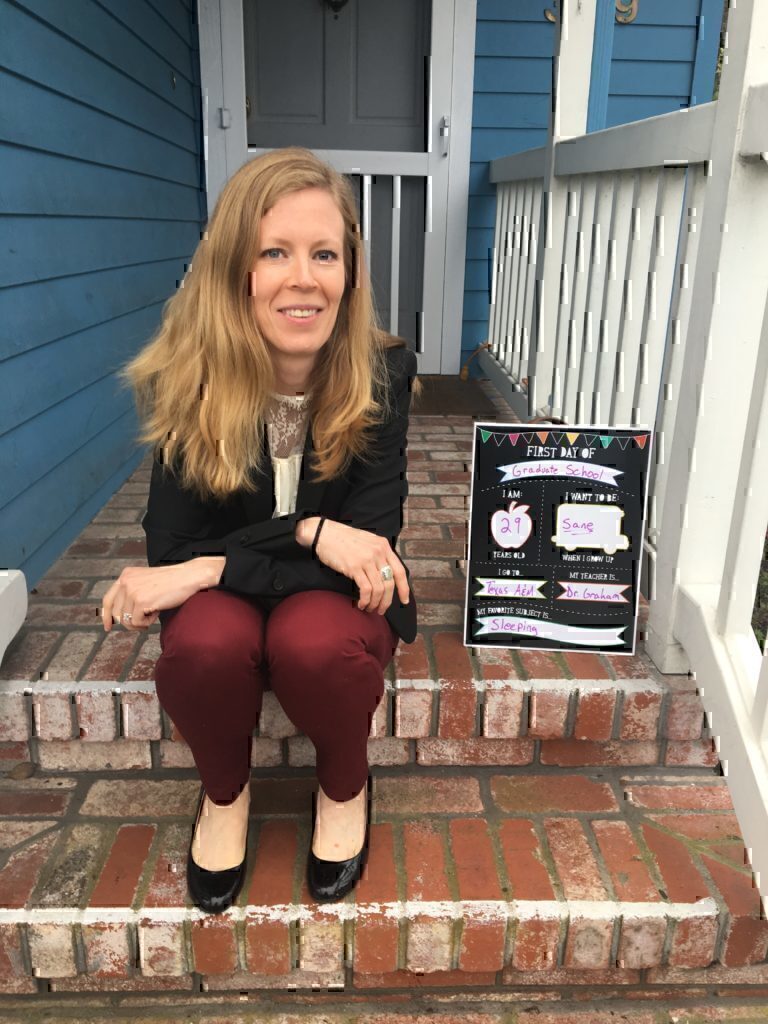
<point x="297" y="282"/>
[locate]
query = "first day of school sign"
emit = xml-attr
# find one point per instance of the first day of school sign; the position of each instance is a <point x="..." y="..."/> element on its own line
<point x="556" y="528"/>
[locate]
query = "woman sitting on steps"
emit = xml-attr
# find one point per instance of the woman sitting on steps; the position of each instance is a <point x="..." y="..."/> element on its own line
<point x="278" y="414"/>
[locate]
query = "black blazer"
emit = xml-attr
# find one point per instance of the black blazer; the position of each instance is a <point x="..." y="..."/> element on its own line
<point x="263" y="557"/>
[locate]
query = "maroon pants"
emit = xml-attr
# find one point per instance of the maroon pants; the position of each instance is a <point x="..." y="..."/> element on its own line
<point x="322" y="656"/>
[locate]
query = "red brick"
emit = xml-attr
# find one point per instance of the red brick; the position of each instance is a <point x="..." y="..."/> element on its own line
<point x="496" y="663"/>
<point x="641" y="942"/>
<point x="107" y="954"/>
<point x="482" y="944"/>
<point x="42" y="614"/>
<point x="536" y="944"/>
<point x="588" y="944"/>
<point x="574" y="861"/>
<point x="143" y="669"/>
<point x="416" y="794"/>
<point x="640" y="716"/>
<point x="425" y="864"/>
<point x="692" y="754"/>
<point x="14" y="720"/>
<point x="515" y="794"/>
<point x="72" y="589"/>
<point x="682" y="880"/>
<point x="413" y="712"/>
<point x="53" y="716"/>
<point x="482" y="941"/>
<point x="67" y="663"/>
<point x="21" y="801"/>
<point x="267" y="943"/>
<point x="141" y="716"/>
<point x="406" y="979"/>
<point x="214" y="945"/>
<point x="706" y="827"/>
<point x="13" y="976"/>
<point x="110" y="660"/>
<point x="411" y="660"/>
<point x="161" y="948"/>
<point x="168" y="885"/>
<point x="693" y="942"/>
<point x="376" y="938"/>
<point x="431" y="568"/>
<point x="585" y="666"/>
<point x="745" y="942"/>
<point x="120" y="876"/>
<point x="441" y="614"/>
<point x="685" y="717"/>
<point x="502" y="713"/>
<point x="635" y="666"/>
<point x="747" y="936"/>
<point x="629" y="875"/>
<point x="439" y="590"/>
<point x="451" y="477"/>
<point x="21" y="873"/>
<point x="27" y="653"/>
<point x="524" y="860"/>
<point x="74" y="755"/>
<point x="540" y="665"/>
<point x="95" y="711"/>
<point x="448" y="549"/>
<point x="548" y="714"/>
<point x="574" y="753"/>
<point x="594" y="715"/>
<point x="479" y="750"/>
<point x="457" y="709"/>
<point x="699" y="795"/>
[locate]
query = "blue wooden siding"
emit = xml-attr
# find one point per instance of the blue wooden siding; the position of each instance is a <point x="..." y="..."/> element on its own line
<point x="663" y="60"/>
<point x="102" y="208"/>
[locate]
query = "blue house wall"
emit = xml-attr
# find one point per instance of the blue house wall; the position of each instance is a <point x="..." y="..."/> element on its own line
<point x="663" y="60"/>
<point x="102" y="208"/>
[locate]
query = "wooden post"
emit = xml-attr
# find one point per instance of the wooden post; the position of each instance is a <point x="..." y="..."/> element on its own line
<point x="568" y="117"/>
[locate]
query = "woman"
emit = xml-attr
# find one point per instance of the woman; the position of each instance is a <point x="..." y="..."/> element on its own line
<point x="278" y="413"/>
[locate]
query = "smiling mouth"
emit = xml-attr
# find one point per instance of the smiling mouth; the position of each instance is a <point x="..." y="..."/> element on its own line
<point x="298" y="315"/>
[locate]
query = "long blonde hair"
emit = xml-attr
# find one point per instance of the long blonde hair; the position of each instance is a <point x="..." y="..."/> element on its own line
<point x="202" y="384"/>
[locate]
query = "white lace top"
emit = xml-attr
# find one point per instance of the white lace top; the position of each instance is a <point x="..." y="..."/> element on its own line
<point x="287" y="420"/>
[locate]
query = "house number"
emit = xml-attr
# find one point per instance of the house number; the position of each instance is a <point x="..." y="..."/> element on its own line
<point x="626" y="11"/>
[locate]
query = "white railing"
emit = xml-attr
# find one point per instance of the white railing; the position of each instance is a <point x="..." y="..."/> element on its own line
<point x="629" y="288"/>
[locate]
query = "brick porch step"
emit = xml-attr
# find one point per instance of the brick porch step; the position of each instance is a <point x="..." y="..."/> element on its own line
<point x="491" y="877"/>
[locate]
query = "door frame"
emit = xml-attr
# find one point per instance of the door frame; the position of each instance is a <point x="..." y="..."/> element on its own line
<point x="225" y="141"/>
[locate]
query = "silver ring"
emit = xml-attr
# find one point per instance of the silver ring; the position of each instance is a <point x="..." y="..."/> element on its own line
<point x="127" y="616"/>
<point x="386" y="572"/>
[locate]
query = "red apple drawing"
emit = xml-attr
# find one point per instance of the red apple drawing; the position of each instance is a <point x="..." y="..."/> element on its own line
<point x="511" y="529"/>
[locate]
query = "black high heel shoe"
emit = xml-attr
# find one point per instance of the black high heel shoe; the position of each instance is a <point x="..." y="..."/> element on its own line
<point x="333" y="879"/>
<point x="212" y="891"/>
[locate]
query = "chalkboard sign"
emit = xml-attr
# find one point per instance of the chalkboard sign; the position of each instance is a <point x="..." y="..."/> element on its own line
<point x="557" y="519"/>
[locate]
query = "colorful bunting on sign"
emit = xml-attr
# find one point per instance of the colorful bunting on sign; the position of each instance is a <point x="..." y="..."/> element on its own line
<point x="557" y="438"/>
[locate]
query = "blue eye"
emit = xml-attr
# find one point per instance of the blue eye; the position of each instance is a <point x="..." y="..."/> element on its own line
<point x="268" y="251"/>
<point x="327" y="252"/>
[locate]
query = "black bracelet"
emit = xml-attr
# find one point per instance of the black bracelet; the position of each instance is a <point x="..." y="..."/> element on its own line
<point x="317" y="534"/>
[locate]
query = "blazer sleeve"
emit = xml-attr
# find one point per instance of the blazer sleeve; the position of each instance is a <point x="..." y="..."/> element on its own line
<point x="374" y="502"/>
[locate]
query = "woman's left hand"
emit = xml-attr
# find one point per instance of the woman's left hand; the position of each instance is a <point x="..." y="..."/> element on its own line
<point x="143" y="592"/>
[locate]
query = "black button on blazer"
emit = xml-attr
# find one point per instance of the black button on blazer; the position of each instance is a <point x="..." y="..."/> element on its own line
<point x="263" y="557"/>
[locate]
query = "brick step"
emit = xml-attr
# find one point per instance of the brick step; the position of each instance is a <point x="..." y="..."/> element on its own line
<point x="398" y="1008"/>
<point x="82" y="701"/>
<point x="476" y="877"/>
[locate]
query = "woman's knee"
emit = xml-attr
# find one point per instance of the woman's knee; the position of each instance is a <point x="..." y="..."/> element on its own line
<point x="205" y="634"/>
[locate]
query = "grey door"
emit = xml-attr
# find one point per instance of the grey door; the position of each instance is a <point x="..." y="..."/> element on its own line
<point x="351" y="79"/>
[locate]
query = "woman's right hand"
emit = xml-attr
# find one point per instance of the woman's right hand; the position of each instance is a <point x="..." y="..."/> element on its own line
<point x="359" y="555"/>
